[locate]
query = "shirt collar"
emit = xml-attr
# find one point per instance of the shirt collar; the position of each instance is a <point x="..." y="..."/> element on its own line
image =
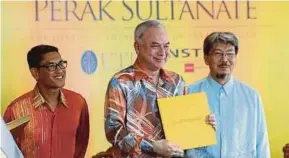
<point x="141" y="74"/>
<point x="39" y="100"/>
<point x="227" y="87"/>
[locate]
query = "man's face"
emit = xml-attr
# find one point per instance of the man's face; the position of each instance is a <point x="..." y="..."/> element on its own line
<point x="221" y="60"/>
<point x="153" y="49"/>
<point x="51" y="79"/>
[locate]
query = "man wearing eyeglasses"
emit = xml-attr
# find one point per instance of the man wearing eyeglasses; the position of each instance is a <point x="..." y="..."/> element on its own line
<point x="241" y="127"/>
<point x="59" y="125"/>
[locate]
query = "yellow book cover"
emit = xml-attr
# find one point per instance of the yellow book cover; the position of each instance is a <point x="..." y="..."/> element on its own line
<point x="183" y="119"/>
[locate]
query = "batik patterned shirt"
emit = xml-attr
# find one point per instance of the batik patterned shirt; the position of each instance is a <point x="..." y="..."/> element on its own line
<point x="62" y="133"/>
<point x="132" y="119"/>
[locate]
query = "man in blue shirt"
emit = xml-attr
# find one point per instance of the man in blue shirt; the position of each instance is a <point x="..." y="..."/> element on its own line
<point x="241" y="127"/>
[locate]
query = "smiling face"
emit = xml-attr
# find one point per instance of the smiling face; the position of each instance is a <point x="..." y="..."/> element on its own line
<point x="153" y="49"/>
<point x="221" y="60"/>
<point x="50" y="79"/>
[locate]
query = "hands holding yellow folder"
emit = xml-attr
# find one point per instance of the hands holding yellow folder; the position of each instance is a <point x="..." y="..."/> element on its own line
<point x="168" y="149"/>
<point x="185" y="120"/>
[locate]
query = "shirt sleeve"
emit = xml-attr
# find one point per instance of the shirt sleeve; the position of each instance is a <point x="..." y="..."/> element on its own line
<point x="263" y="149"/>
<point x="8" y="115"/>
<point x="115" y="128"/>
<point x="82" y="133"/>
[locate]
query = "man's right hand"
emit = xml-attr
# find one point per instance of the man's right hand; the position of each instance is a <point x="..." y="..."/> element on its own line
<point x="167" y="149"/>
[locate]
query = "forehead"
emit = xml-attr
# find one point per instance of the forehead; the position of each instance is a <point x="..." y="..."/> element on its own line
<point x="155" y="34"/>
<point x="51" y="57"/>
<point x="223" y="47"/>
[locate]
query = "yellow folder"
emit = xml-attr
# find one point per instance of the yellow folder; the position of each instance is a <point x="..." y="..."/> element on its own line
<point x="183" y="119"/>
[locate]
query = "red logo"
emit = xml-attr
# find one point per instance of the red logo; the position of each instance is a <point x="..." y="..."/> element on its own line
<point x="189" y="67"/>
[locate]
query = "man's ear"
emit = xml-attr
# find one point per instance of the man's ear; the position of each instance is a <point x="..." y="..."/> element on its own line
<point x="206" y="59"/>
<point x="35" y="73"/>
<point x="136" y="47"/>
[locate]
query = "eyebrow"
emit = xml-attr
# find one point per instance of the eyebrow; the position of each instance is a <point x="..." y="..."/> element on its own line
<point x="216" y="49"/>
<point x="231" y="49"/>
<point x="54" y="62"/>
<point x="160" y="44"/>
<point x="228" y="50"/>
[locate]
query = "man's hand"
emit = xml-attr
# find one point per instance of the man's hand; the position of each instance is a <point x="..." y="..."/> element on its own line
<point x="286" y="151"/>
<point x="167" y="149"/>
<point x="211" y="120"/>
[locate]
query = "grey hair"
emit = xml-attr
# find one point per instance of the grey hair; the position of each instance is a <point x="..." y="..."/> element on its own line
<point x="142" y="27"/>
<point x="220" y="37"/>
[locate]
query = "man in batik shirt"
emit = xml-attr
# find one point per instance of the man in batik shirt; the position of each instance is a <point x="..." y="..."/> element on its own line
<point x="132" y="119"/>
<point x="59" y="124"/>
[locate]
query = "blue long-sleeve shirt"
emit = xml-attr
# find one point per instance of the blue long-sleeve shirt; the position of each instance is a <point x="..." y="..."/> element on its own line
<point x="241" y="126"/>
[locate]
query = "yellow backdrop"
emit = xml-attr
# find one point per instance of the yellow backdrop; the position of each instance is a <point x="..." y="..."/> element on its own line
<point x="106" y="29"/>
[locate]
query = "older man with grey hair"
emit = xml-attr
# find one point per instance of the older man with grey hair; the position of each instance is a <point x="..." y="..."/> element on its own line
<point x="241" y="126"/>
<point x="132" y="119"/>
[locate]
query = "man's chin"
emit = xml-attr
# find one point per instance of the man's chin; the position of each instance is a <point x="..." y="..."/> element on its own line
<point x="158" y="66"/>
<point x="60" y="85"/>
<point x="222" y="75"/>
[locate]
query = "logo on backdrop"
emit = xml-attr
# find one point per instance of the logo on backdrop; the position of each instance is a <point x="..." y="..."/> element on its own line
<point x="89" y="62"/>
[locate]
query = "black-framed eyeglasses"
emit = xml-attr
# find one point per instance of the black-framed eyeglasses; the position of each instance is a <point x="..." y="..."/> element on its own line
<point x="53" y="66"/>
<point x="229" y="56"/>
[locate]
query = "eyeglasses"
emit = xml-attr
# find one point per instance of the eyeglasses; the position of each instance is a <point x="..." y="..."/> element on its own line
<point x="53" y="66"/>
<point x="229" y="56"/>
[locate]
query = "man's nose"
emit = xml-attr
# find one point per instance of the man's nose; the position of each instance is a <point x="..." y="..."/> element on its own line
<point x="225" y="57"/>
<point x="162" y="51"/>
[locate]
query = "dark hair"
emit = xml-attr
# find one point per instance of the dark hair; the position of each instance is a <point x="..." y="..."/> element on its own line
<point x="35" y="55"/>
<point x="220" y="37"/>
